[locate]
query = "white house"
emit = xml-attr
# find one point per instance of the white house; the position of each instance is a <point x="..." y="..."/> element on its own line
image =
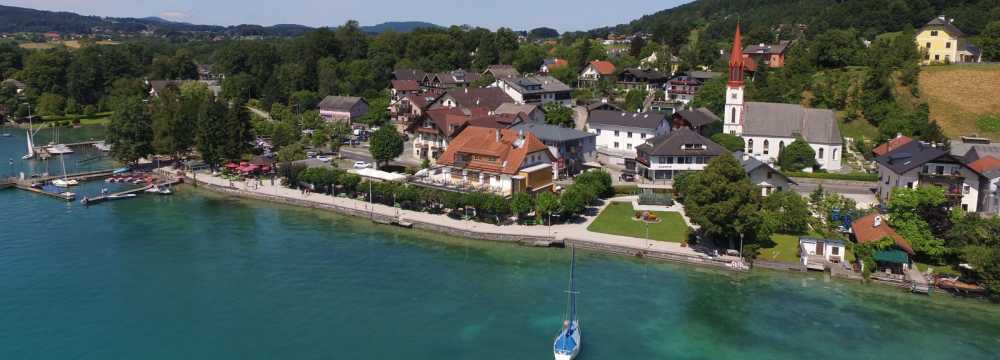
<point x="535" y="89"/>
<point x="619" y="133"/>
<point x="664" y="157"/>
<point x="816" y="253"/>
<point x="342" y="108"/>
<point x="768" y="127"/>
<point x="764" y="176"/>
<point x="920" y="164"/>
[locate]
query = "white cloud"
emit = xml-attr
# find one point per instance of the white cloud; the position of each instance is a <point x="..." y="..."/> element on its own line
<point x="175" y="15"/>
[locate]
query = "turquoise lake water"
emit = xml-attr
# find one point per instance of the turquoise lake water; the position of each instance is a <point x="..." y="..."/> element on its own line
<point x="203" y="276"/>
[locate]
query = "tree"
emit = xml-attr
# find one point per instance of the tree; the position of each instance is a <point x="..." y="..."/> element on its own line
<point x="50" y="104"/>
<point x="172" y="132"/>
<point x="635" y="100"/>
<point x="210" y="131"/>
<point x="730" y="142"/>
<point x="130" y="133"/>
<point x="797" y="156"/>
<point x="529" y="58"/>
<point x="788" y="212"/>
<point x="292" y="153"/>
<point x="521" y="204"/>
<point x="724" y="203"/>
<point x="837" y="48"/>
<point x="238" y="134"/>
<point x="543" y="33"/>
<point x="386" y="144"/>
<point x="711" y="95"/>
<point x="556" y="114"/>
<point x="546" y="204"/>
<point x="985" y="262"/>
<point x="909" y="209"/>
<point x="989" y="39"/>
<point x="573" y="201"/>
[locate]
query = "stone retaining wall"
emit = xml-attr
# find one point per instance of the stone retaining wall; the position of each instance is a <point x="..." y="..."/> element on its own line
<point x="626" y="251"/>
<point x="385" y="219"/>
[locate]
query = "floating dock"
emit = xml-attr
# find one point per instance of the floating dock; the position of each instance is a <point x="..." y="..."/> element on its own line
<point x="120" y="194"/>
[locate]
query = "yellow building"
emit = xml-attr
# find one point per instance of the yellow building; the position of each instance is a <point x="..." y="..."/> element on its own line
<point x="942" y="42"/>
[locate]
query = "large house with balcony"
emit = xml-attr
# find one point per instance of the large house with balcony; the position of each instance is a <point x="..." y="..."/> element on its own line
<point x="467" y="99"/>
<point x="649" y="80"/>
<point x="596" y="71"/>
<point x="772" y="55"/>
<point x="664" y="157"/>
<point x="501" y="161"/>
<point x="535" y="89"/>
<point x="432" y="133"/>
<point x="941" y="41"/>
<point x="619" y="133"/>
<point x="682" y="89"/>
<point x="920" y="164"/>
<point x="410" y="108"/>
<point x="571" y="147"/>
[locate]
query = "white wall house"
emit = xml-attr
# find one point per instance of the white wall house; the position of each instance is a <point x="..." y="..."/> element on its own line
<point x="536" y="89"/>
<point x="619" y="133"/>
<point x="814" y="252"/>
<point x="764" y="176"/>
<point x="920" y="164"/>
<point x="664" y="157"/>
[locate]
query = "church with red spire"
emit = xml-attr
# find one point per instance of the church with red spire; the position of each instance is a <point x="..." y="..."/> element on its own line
<point x="766" y="128"/>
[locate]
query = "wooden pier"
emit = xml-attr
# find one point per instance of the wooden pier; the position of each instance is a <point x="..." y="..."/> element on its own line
<point x="60" y="196"/>
<point x="103" y="198"/>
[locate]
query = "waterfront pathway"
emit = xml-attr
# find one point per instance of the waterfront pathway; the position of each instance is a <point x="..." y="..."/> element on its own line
<point x="576" y="232"/>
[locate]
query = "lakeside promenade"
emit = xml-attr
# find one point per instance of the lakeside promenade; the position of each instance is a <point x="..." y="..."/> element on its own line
<point x="575" y="234"/>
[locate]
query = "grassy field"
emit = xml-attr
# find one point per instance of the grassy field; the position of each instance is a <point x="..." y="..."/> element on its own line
<point x="786" y="249"/>
<point x="958" y="95"/>
<point x="856" y="129"/>
<point x="72" y="44"/>
<point x="616" y="219"/>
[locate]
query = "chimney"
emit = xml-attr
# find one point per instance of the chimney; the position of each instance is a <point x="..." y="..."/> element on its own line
<point x="604" y="100"/>
<point x="878" y="221"/>
<point x="520" y="134"/>
<point x="498" y="135"/>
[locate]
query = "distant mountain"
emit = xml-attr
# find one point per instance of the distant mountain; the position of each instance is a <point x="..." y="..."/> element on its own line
<point x="16" y="19"/>
<point x="398" y="26"/>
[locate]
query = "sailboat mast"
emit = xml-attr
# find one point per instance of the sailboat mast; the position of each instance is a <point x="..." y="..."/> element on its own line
<point x="572" y="287"/>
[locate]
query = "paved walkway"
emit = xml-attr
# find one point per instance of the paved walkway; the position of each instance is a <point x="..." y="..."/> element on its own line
<point x="574" y="232"/>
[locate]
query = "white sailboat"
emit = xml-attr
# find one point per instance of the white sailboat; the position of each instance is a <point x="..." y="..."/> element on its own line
<point x="31" y="146"/>
<point x="64" y="182"/>
<point x="567" y="344"/>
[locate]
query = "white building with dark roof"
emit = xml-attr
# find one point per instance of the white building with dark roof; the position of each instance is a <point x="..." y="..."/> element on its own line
<point x="619" y="133"/>
<point x="535" y="89"/>
<point x="768" y="127"/>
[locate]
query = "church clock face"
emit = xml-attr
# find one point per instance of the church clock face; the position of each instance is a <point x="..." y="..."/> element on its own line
<point x="735" y="94"/>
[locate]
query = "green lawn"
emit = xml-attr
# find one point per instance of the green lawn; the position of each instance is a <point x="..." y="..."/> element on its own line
<point x="786" y="249"/>
<point x="857" y="129"/>
<point x="938" y="269"/>
<point x="616" y="219"/>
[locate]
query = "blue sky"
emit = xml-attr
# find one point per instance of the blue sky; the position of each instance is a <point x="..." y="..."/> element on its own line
<point x="517" y="14"/>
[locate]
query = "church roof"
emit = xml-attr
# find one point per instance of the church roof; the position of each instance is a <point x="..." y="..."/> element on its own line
<point x="818" y="126"/>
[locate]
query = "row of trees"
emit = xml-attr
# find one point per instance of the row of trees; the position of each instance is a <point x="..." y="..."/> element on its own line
<point x="175" y="122"/>
<point x="482" y="206"/>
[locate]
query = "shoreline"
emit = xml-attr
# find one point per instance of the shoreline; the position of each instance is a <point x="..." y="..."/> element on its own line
<point x="558" y="237"/>
<point x="468" y="230"/>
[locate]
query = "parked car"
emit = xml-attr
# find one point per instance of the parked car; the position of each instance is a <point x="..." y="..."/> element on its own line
<point x="311" y="154"/>
<point x="361" y="165"/>
<point x="324" y="158"/>
<point x="627" y="177"/>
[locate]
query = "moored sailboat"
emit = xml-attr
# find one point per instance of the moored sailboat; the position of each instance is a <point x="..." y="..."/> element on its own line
<point x="567" y="344"/>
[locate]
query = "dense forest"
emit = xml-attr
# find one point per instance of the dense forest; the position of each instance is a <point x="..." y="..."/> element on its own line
<point x="706" y="25"/>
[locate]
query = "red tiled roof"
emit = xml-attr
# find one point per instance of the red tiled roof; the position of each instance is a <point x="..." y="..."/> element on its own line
<point x="985" y="163"/>
<point x="405" y="85"/>
<point x="510" y="151"/>
<point x="448" y="120"/>
<point x="891" y="145"/>
<point x="603" y="67"/>
<point x="865" y="231"/>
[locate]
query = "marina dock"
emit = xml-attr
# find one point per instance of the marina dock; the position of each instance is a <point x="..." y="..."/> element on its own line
<point x="103" y="198"/>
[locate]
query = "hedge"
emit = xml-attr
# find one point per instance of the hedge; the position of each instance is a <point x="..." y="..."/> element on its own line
<point x="866" y="177"/>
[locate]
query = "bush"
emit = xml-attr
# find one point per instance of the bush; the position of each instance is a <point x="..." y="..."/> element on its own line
<point x="89" y="110"/>
<point x="989" y="123"/>
<point x="626" y="189"/>
<point x="834" y="176"/>
<point x="730" y="142"/>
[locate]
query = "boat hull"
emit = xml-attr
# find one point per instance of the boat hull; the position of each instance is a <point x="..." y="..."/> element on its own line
<point x="559" y="351"/>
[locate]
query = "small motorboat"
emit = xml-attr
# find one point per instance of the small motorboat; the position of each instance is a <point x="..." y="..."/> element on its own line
<point x="5" y="135"/>
<point x="65" y="183"/>
<point x="160" y="190"/>
<point x="68" y="195"/>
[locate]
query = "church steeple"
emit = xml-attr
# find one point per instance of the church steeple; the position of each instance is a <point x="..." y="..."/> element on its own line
<point x="734" y="89"/>
<point x="736" y="61"/>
